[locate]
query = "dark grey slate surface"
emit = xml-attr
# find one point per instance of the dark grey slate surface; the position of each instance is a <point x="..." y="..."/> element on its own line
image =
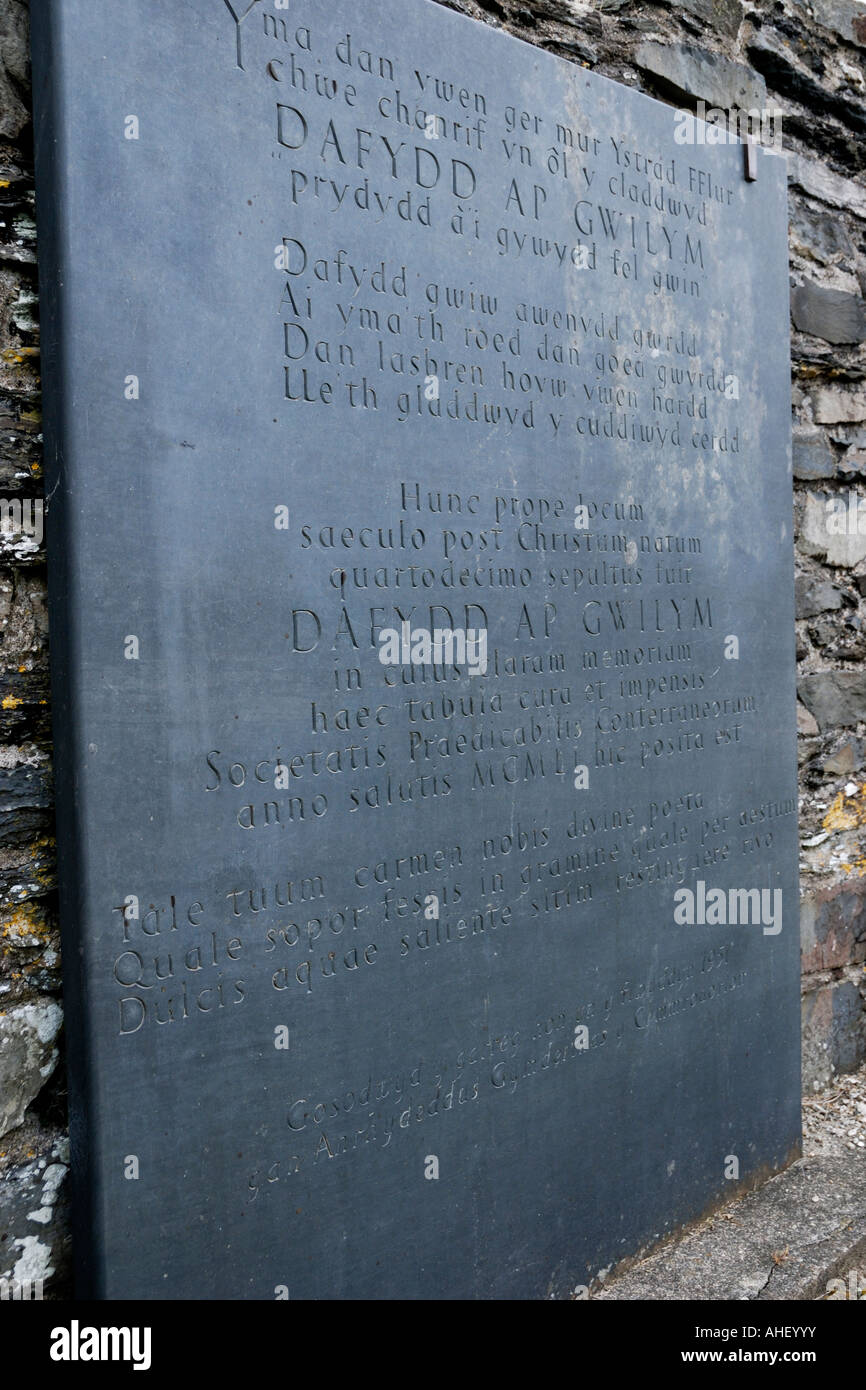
<point x="553" y="215"/>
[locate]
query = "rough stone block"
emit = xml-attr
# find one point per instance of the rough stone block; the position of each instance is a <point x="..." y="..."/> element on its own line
<point x="833" y="927"/>
<point x="833" y="315"/>
<point x="692" y="73"/>
<point x="835" y="698"/>
<point x="28" y="1056"/>
<point x="834" y="1031"/>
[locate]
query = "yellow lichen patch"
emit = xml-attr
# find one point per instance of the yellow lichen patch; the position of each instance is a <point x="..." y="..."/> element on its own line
<point x="11" y="702"/>
<point x="45" y="877"/>
<point x="4" y="183"/>
<point x="847" y="812"/>
<point x="37" y="851"/>
<point x="19" y="355"/>
<point x="25" y="924"/>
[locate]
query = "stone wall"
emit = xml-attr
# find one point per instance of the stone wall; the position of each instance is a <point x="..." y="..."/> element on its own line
<point x="804" y="59"/>
<point x="33" y="1147"/>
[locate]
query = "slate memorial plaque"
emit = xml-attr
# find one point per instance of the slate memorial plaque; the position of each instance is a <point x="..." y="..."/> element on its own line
<point x="417" y="418"/>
